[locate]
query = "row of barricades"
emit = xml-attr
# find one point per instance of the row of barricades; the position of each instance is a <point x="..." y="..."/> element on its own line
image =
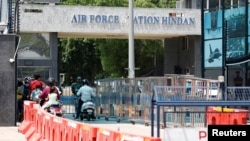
<point x="38" y="125"/>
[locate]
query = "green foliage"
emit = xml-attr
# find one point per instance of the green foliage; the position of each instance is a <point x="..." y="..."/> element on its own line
<point x="114" y="56"/>
<point x="114" y="3"/>
<point x="79" y="57"/>
<point x="123" y="3"/>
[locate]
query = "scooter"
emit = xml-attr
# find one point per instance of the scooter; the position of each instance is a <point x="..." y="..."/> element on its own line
<point x="56" y="109"/>
<point x="88" y="111"/>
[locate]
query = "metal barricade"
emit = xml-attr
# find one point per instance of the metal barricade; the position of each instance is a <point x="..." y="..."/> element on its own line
<point x="238" y="93"/>
<point x="130" y="99"/>
<point x="172" y="107"/>
<point x="68" y="101"/>
<point x="125" y="99"/>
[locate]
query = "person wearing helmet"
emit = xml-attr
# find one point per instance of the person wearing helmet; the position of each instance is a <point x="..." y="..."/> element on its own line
<point x="86" y="93"/>
<point x="25" y="96"/>
<point x="26" y="90"/>
<point x="43" y="96"/>
<point x="75" y="86"/>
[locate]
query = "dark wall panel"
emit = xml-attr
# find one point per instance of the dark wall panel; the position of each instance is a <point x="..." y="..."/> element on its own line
<point x="7" y="78"/>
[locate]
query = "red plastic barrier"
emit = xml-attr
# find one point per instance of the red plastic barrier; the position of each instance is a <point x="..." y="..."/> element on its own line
<point x="32" y="129"/>
<point x="88" y="132"/>
<point x="228" y="116"/>
<point x="107" y="135"/>
<point x="72" y="131"/>
<point x="30" y="132"/>
<point x="37" y="135"/>
<point x="58" y="128"/>
<point x="28" y="116"/>
<point x="46" y="126"/>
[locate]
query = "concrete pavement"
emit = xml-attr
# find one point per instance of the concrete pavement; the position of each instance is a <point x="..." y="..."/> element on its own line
<point x="11" y="134"/>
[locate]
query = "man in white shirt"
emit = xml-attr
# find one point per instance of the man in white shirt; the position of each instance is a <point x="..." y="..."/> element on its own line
<point x="86" y="93"/>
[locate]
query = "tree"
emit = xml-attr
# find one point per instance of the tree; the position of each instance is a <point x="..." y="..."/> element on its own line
<point x="79" y="57"/>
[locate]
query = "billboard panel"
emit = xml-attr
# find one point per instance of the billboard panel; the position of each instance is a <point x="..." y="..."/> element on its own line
<point x="213" y="53"/>
<point x="213" y="24"/>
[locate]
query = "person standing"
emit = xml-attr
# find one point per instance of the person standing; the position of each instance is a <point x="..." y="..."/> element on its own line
<point x="25" y="96"/>
<point x="75" y="86"/>
<point x="20" y="88"/>
<point x="86" y="93"/>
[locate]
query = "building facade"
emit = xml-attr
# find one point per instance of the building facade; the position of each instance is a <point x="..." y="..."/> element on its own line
<point x="41" y="26"/>
<point x="225" y="40"/>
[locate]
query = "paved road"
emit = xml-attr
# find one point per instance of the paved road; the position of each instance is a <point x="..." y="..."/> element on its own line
<point x="124" y="126"/>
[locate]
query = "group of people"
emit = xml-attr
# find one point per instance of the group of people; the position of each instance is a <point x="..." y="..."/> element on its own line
<point x="47" y="94"/>
<point x="36" y="90"/>
<point x="82" y="93"/>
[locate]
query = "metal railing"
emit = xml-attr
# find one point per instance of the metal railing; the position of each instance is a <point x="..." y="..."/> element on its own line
<point x="167" y="100"/>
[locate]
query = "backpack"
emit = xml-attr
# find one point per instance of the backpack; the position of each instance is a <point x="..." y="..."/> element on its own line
<point x="34" y="94"/>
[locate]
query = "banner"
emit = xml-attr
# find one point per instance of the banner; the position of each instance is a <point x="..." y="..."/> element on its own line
<point x="185" y="134"/>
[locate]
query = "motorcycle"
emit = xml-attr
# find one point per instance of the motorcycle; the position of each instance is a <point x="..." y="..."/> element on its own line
<point x="56" y="110"/>
<point x="88" y="111"/>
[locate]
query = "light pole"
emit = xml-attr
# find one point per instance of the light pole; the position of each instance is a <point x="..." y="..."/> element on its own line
<point x="131" y="65"/>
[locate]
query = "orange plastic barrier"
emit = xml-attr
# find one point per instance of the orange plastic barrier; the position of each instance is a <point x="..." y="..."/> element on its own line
<point x="37" y="135"/>
<point x="46" y="126"/>
<point x="72" y="131"/>
<point x="228" y="116"/>
<point x="30" y="132"/>
<point x="28" y="116"/>
<point x="88" y="132"/>
<point x="33" y="127"/>
<point x="107" y="135"/>
<point x="57" y="128"/>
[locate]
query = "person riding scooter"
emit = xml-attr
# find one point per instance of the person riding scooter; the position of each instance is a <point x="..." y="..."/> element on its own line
<point x="86" y="93"/>
<point x="46" y="91"/>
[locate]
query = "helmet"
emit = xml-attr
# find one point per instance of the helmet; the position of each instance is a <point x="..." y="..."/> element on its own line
<point x="27" y="79"/>
<point x="85" y="82"/>
<point x="51" y="80"/>
<point x="79" y="78"/>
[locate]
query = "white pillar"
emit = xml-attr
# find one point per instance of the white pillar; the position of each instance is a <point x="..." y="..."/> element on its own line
<point x="131" y="52"/>
<point x="207" y="4"/>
